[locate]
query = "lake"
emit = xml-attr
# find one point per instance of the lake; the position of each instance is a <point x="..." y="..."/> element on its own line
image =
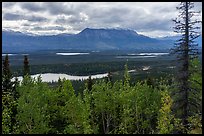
<point x="141" y="55"/>
<point x="13" y="54"/>
<point x="134" y="57"/>
<point x="53" y="77"/>
<point x="144" y="54"/>
<point x="71" y="54"/>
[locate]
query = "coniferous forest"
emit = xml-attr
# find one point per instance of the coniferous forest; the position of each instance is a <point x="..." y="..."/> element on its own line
<point x="163" y="105"/>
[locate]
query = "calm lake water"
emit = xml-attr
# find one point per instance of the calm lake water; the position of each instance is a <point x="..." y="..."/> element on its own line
<point x="134" y="57"/>
<point x="141" y="55"/>
<point x="71" y="54"/>
<point x="53" y="77"/>
<point x="144" y="54"/>
<point x="13" y="54"/>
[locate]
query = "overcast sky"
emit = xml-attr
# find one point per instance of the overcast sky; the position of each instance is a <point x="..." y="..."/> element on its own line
<point x="148" y="18"/>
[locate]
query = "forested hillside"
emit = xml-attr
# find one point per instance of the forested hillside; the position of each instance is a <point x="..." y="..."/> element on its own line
<point x="103" y="107"/>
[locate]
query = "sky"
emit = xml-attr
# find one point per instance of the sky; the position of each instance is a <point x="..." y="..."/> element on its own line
<point x="152" y="19"/>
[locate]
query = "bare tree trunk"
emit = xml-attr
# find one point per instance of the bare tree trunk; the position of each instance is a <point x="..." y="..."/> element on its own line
<point x="104" y="127"/>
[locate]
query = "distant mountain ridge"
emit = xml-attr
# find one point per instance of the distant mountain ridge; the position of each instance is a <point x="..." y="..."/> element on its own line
<point x="87" y="39"/>
<point x="174" y="38"/>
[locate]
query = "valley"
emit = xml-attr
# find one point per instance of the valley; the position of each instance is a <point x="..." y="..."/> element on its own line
<point x="90" y="63"/>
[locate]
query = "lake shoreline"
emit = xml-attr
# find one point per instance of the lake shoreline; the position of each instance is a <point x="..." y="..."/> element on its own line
<point x="54" y="77"/>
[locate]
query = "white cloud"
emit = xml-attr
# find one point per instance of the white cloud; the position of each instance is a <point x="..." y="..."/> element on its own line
<point x="150" y="18"/>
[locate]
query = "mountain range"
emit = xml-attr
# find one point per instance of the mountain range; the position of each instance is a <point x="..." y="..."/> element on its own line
<point x="87" y="39"/>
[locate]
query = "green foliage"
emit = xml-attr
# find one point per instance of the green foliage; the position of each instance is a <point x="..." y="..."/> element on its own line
<point x="26" y="70"/>
<point x="106" y="108"/>
<point x="32" y="107"/>
<point x="195" y="124"/>
<point x="102" y="100"/>
<point x="165" y="116"/>
<point x="195" y="95"/>
<point x="89" y="83"/>
<point x="145" y="104"/>
<point x="119" y="109"/>
<point x="178" y="125"/>
<point x="186" y="49"/>
<point x="6" y="76"/>
<point x="6" y="115"/>
<point x="42" y="110"/>
<point x="77" y="117"/>
<point x="9" y="99"/>
<point x="126" y="76"/>
<point x="9" y="105"/>
<point x="194" y="98"/>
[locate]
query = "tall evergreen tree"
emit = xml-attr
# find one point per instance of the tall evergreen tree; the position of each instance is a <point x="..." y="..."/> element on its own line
<point x="9" y="97"/>
<point x="26" y="70"/>
<point x="109" y="77"/>
<point x="186" y="50"/>
<point x="126" y="75"/>
<point x="6" y="76"/>
<point x="89" y="83"/>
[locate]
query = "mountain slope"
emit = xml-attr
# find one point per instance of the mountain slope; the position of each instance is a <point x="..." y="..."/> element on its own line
<point x="87" y="39"/>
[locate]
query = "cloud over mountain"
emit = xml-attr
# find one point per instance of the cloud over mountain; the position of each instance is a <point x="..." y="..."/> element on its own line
<point x="149" y="18"/>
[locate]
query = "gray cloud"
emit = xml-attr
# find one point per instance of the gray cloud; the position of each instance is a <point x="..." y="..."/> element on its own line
<point x="61" y="21"/>
<point x="59" y="16"/>
<point x="59" y="8"/>
<point x="11" y="16"/>
<point x="33" y="7"/>
<point x="70" y="20"/>
<point x="75" y="19"/>
<point x="107" y="15"/>
<point x="38" y="28"/>
<point x="32" y="18"/>
<point x="8" y="4"/>
<point x="155" y="24"/>
<point x="36" y="19"/>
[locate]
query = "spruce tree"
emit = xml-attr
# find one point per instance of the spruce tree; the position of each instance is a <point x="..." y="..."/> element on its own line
<point x="9" y="95"/>
<point x="126" y="75"/>
<point x="6" y="76"/>
<point x="26" y="70"/>
<point x="185" y="49"/>
<point x="109" y="77"/>
<point x="89" y="83"/>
